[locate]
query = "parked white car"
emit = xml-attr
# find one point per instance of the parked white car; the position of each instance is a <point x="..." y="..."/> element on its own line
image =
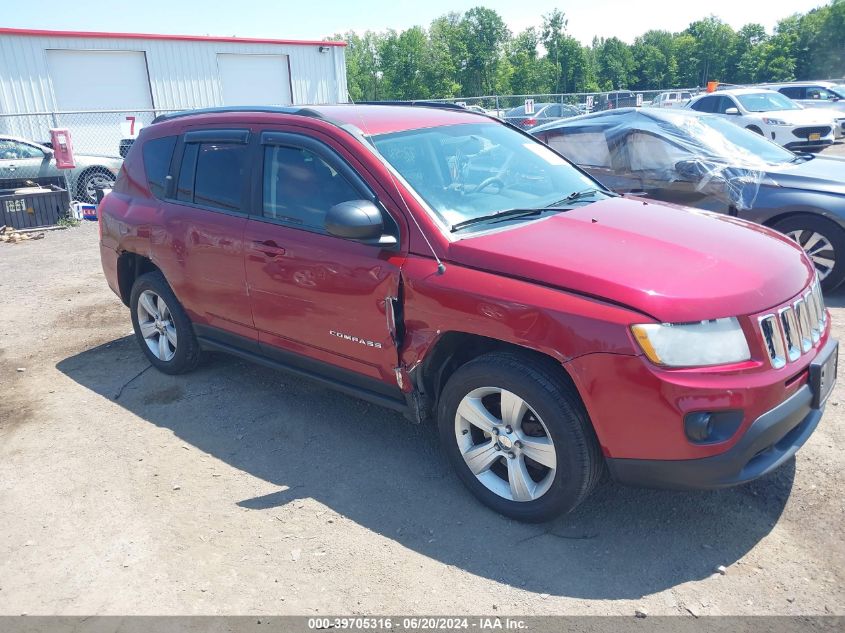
<point x="771" y="114"/>
<point x="675" y="99"/>
<point x="817" y="94"/>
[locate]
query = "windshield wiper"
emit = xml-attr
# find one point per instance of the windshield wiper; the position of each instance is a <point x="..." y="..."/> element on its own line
<point x="580" y="195"/>
<point x="500" y="215"/>
<point x="508" y="214"/>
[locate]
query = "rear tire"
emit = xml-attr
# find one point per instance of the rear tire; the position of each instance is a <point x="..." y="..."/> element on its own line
<point x="162" y="328"/>
<point x="550" y="424"/>
<point x="824" y="242"/>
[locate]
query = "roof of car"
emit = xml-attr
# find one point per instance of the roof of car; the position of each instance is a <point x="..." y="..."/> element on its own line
<point x="740" y="91"/>
<point x="664" y="114"/>
<point x="372" y="119"/>
<point x="799" y="84"/>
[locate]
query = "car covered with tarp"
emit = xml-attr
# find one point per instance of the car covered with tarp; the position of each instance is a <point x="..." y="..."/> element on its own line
<point x="703" y="161"/>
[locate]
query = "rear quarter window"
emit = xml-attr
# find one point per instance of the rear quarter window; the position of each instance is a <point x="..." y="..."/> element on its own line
<point x="158" y="153"/>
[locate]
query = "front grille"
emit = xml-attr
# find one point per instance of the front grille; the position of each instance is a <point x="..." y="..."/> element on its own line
<point x="795" y="328"/>
<point x="804" y="132"/>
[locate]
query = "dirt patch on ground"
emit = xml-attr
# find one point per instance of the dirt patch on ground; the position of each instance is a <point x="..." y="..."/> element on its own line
<point x="237" y="489"/>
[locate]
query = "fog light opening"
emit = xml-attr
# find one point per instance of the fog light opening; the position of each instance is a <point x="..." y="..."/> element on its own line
<point x="699" y="426"/>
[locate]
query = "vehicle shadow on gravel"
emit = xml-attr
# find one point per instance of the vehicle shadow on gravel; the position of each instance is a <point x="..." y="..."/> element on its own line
<point x="370" y="465"/>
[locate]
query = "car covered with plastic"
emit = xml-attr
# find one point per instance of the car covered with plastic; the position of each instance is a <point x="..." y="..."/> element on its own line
<point x="704" y="161"/>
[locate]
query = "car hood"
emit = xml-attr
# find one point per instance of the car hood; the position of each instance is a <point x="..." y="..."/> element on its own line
<point x="819" y="173"/>
<point x="674" y="264"/>
<point x="805" y="116"/>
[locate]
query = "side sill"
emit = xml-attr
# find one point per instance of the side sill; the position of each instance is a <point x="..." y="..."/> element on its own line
<point x="336" y="383"/>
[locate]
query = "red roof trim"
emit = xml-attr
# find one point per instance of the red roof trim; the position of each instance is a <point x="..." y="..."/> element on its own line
<point x="150" y="36"/>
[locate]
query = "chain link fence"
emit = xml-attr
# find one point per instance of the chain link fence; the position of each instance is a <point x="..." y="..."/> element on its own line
<point x="548" y="107"/>
<point x="100" y="140"/>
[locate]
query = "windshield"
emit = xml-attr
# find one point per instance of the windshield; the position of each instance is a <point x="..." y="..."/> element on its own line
<point x="839" y="89"/>
<point x="766" y="102"/>
<point x="474" y="169"/>
<point x="731" y="143"/>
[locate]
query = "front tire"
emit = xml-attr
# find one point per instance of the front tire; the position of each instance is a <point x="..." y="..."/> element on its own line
<point x="518" y="436"/>
<point x="161" y="326"/>
<point x="824" y="243"/>
<point x="755" y="129"/>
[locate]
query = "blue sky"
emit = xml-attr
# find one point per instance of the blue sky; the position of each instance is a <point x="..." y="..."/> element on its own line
<point x="295" y="19"/>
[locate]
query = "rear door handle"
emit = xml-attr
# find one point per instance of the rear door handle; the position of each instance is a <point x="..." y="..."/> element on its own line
<point x="268" y="248"/>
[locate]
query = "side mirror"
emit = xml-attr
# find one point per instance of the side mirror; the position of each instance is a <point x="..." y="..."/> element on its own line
<point x="691" y="170"/>
<point x="732" y="111"/>
<point x="358" y="220"/>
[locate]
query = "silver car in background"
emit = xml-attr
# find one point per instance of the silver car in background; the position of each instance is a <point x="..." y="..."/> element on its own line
<point x="21" y="159"/>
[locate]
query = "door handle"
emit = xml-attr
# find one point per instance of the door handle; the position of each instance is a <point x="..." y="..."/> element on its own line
<point x="268" y="248"/>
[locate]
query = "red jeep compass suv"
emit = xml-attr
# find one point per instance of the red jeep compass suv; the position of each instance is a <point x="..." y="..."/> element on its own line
<point x="449" y="266"/>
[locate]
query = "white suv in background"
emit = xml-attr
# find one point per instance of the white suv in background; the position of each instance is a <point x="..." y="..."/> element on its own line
<point x="827" y="95"/>
<point x="672" y="99"/>
<point x="771" y="114"/>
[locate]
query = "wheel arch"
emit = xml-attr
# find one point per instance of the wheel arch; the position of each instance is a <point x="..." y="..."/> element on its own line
<point x="130" y="266"/>
<point x="453" y="349"/>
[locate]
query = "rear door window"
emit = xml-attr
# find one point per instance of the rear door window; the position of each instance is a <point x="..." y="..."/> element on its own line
<point x="158" y="153"/>
<point x="585" y="148"/>
<point x="793" y="92"/>
<point x="220" y="176"/>
<point x="213" y="173"/>
<point x="705" y="105"/>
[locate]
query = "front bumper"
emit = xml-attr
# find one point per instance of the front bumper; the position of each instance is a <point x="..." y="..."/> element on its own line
<point x="766" y="444"/>
<point x="770" y="441"/>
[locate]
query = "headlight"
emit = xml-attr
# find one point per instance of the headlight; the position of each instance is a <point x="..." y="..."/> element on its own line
<point x="716" y="342"/>
<point x="769" y="121"/>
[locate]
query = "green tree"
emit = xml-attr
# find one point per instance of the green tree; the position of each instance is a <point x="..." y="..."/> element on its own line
<point x="615" y="64"/>
<point x="749" y="55"/>
<point x="532" y="74"/>
<point x="715" y="42"/>
<point x="486" y="35"/>
<point x="654" y="55"/>
<point x="403" y="58"/>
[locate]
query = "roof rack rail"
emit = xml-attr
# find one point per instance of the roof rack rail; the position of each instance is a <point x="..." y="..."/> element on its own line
<point x="421" y="103"/>
<point x="224" y="109"/>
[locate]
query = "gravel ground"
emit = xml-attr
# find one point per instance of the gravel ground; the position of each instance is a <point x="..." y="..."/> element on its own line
<point x="237" y="489"/>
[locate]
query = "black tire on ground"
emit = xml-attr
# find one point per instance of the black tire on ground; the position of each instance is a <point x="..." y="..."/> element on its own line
<point x="579" y="460"/>
<point x="187" y="351"/>
<point x="97" y="176"/>
<point x="807" y="224"/>
<point x="755" y="129"/>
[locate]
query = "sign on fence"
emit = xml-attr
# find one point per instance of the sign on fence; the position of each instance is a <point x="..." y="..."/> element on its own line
<point x="639" y="99"/>
<point x="589" y="102"/>
<point x="529" y="106"/>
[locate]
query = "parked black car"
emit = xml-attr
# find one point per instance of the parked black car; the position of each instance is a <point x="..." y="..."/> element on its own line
<point x="701" y="160"/>
<point x="543" y="113"/>
<point x="616" y="99"/>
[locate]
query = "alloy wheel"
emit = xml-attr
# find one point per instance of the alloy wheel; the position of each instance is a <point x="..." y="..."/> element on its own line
<point x="156" y="325"/>
<point x="818" y="248"/>
<point x="505" y="444"/>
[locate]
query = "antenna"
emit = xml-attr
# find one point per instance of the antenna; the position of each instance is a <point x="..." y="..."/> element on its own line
<point x="441" y="267"/>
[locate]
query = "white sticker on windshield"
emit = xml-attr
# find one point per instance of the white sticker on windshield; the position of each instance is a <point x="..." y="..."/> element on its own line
<point x="546" y="154"/>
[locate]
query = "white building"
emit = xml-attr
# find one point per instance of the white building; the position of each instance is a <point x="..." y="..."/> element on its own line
<point x="134" y="76"/>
